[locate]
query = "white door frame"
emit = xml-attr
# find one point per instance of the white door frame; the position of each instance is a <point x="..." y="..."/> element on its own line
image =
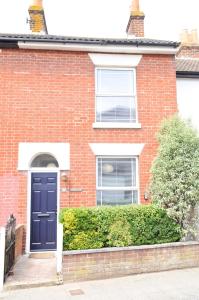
<point x="39" y="170"/>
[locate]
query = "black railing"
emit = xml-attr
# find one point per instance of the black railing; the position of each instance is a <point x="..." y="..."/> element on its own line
<point x="9" y="245"/>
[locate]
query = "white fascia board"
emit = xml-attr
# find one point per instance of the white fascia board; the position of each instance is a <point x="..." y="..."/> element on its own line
<point x="96" y="48"/>
<point x="115" y="60"/>
<point x="116" y="149"/>
<point x="28" y="151"/>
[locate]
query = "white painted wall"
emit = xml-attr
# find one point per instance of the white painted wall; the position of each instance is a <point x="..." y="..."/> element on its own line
<point x="188" y="99"/>
<point x="123" y="149"/>
<point x="2" y="256"/>
<point x="115" y="60"/>
<point x="59" y="247"/>
<point x="28" y="151"/>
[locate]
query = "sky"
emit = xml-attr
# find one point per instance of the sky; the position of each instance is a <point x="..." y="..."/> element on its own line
<point x="165" y="19"/>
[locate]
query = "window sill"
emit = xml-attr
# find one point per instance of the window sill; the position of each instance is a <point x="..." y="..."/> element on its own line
<point x="117" y="125"/>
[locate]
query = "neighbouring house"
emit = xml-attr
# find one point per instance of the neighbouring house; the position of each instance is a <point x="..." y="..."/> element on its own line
<point x="79" y="118"/>
<point x="187" y="71"/>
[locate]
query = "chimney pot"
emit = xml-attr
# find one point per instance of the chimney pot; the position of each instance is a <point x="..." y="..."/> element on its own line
<point x="135" y="6"/>
<point x="184" y="36"/>
<point x="37" y="3"/>
<point x="188" y="38"/>
<point x="194" y="35"/>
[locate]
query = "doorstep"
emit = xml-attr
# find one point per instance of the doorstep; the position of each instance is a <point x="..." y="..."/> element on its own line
<point x="33" y="271"/>
<point x="42" y="255"/>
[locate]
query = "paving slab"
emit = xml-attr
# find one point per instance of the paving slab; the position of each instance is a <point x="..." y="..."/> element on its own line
<point x="32" y="272"/>
<point x="170" y="285"/>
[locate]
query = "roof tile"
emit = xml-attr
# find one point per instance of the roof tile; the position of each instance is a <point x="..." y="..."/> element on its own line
<point x="8" y="38"/>
<point x="187" y="65"/>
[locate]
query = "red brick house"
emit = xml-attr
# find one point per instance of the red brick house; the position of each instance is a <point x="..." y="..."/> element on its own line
<point x="187" y="72"/>
<point x="78" y="122"/>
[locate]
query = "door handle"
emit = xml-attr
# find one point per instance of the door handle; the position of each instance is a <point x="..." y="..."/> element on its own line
<point x="43" y="215"/>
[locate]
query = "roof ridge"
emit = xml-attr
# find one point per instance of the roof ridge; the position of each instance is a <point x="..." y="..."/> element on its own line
<point x="187" y="58"/>
<point x="82" y="38"/>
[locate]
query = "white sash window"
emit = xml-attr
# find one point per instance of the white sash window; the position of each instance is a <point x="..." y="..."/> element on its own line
<point x="116" y="95"/>
<point x="117" y="182"/>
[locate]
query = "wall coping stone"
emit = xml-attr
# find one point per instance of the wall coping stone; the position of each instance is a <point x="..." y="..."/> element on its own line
<point x="131" y="248"/>
<point x="19" y="226"/>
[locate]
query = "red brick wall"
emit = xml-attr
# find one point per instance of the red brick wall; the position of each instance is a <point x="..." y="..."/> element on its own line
<point x="113" y="262"/>
<point x="136" y="26"/>
<point x="48" y="96"/>
<point x="191" y="51"/>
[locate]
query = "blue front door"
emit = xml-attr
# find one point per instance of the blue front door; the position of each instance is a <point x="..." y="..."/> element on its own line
<point x="43" y="234"/>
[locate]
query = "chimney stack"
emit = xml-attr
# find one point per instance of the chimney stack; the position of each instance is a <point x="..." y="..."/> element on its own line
<point x="135" y="25"/>
<point x="37" y="17"/>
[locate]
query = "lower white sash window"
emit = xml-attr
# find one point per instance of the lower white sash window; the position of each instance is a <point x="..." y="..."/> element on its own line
<point x="117" y="182"/>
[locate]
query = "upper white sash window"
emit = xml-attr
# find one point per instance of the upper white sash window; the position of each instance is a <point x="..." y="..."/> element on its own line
<point x="115" y="89"/>
<point x="115" y="95"/>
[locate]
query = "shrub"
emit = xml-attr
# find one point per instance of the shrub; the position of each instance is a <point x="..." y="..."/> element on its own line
<point x="106" y="226"/>
<point x="119" y="234"/>
<point x="82" y="240"/>
<point x="175" y="172"/>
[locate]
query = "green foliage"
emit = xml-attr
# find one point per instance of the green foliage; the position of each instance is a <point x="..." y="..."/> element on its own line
<point x="82" y="240"/>
<point x="175" y="171"/>
<point x="98" y="227"/>
<point x="119" y="234"/>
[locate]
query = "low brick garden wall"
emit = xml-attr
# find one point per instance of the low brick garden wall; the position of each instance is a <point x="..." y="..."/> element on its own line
<point x="19" y="241"/>
<point x="116" y="262"/>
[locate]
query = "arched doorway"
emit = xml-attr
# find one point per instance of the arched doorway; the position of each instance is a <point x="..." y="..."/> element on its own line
<point x="43" y="203"/>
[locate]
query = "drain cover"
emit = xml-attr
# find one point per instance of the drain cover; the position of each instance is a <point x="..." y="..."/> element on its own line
<point x="76" y="292"/>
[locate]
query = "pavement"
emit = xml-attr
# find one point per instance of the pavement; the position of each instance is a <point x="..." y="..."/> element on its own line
<point x="32" y="272"/>
<point x="175" y="285"/>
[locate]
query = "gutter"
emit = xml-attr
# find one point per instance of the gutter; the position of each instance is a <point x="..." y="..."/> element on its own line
<point x="7" y="44"/>
<point x="92" y="46"/>
<point x="187" y="74"/>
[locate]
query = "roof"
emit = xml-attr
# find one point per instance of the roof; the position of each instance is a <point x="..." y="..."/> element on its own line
<point x="187" y="67"/>
<point x="11" y="40"/>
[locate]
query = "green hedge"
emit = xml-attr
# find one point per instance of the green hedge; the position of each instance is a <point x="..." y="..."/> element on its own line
<point x="99" y="227"/>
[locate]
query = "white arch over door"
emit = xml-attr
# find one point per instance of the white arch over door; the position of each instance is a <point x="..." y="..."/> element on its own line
<point x="28" y="151"/>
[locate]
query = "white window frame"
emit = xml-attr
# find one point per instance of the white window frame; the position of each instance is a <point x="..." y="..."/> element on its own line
<point x="118" y="124"/>
<point x="98" y="188"/>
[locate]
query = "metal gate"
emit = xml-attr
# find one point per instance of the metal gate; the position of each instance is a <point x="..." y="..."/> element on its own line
<point x="9" y="245"/>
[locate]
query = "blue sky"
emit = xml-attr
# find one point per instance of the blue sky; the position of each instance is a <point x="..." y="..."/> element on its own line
<point x="164" y="18"/>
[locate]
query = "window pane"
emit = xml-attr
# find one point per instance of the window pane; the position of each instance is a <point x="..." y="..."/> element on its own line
<point x="135" y="197"/>
<point x="115" y="109"/>
<point x="119" y="172"/>
<point x="134" y="181"/>
<point x="115" y="82"/>
<point x="44" y="161"/>
<point x="114" y="197"/>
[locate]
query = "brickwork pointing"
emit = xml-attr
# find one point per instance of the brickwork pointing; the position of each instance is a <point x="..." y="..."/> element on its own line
<point x="135" y="25"/>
